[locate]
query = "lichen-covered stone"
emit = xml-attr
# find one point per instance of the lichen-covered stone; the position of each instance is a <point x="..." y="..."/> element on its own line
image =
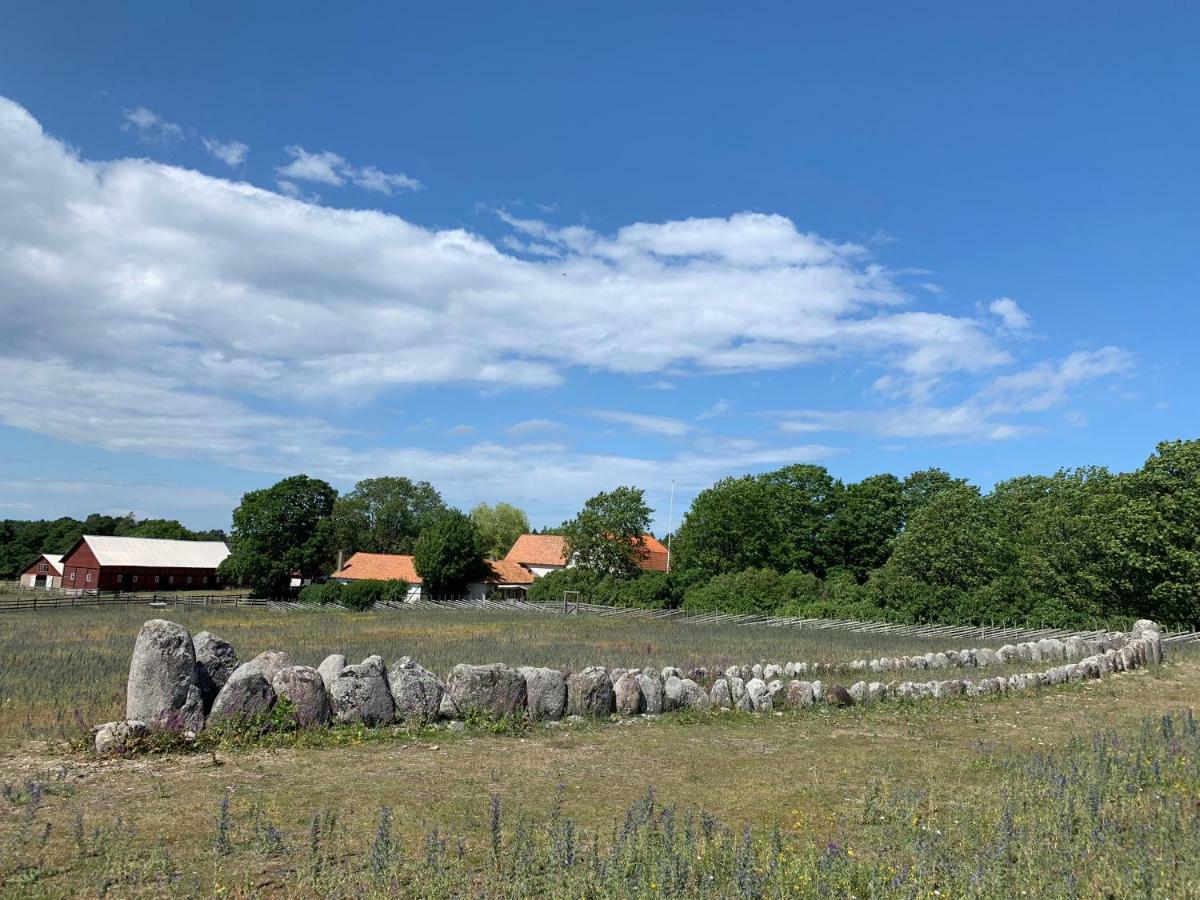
<point x="162" y="691"/>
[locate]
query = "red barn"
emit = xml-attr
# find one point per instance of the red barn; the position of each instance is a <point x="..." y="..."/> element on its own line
<point x="102" y="563"/>
<point x="45" y="571"/>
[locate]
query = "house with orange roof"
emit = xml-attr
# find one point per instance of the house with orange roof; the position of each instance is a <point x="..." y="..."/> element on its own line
<point x="508" y="579"/>
<point x="542" y="553"/>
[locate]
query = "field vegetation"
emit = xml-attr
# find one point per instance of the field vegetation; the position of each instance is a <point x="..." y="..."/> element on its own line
<point x="69" y="664"/>
<point x="1084" y="790"/>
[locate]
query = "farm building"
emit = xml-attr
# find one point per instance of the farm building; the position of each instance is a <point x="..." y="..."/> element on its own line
<point x="44" y="572"/>
<point x="542" y="553"/>
<point x="506" y="578"/>
<point x="102" y="563"/>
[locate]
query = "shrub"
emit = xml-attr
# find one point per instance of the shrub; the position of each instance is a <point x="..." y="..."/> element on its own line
<point x="362" y="595"/>
<point x="321" y="594"/>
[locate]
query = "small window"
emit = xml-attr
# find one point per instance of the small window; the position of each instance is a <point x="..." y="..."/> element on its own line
<point x="206" y="579"/>
<point x="170" y="579"/>
<point x="156" y="578"/>
<point x="88" y="577"/>
<point x="42" y="567"/>
<point x="189" y="579"/>
<point x="135" y="579"/>
<point x="72" y="574"/>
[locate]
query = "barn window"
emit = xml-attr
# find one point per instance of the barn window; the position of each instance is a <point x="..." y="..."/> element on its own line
<point x="135" y="579"/>
<point x="88" y="577"/>
<point x="156" y="578"/>
<point x="72" y="574"/>
<point x="189" y="579"/>
<point x="42" y="567"/>
<point x="170" y="579"/>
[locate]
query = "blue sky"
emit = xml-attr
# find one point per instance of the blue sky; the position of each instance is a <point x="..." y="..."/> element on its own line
<point x="533" y="251"/>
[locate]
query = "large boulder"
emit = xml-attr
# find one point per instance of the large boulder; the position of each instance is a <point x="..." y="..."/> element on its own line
<point x="627" y="695"/>
<point x="118" y="737"/>
<point x="683" y="693"/>
<point x="720" y="696"/>
<point x="215" y="662"/>
<point x="494" y="690"/>
<point x="590" y="693"/>
<point x="162" y="691"/>
<point x="330" y="667"/>
<point x="799" y="694"/>
<point x="246" y="694"/>
<point x="359" y="694"/>
<point x="304" y="687"/>
<point x="545" y="693"/>
<point x="416" y="691"/>
<point x="271" y="663"/>
<point x="836" y="695"/>
<point x="760" y="698"/>
<point x="652" y="693"/>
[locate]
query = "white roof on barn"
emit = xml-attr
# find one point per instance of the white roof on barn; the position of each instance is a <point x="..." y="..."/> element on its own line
<point x="54" y="559"/>
<point x="134" y="551"/>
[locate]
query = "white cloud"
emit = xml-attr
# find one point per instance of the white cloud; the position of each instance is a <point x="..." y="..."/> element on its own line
<point x="149" y="126"/>
<point x="533" y="426"/>
<point x="1036" y="389"/>
<point x="461" y="430"/>
<point x="1010" y="314"/>
<point x="719" y="408"/>
<point x="330" y="168"/>
<point x="642" y="422"/>
<point x="232" y="153"/>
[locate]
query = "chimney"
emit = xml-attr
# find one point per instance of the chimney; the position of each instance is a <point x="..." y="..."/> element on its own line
<point x="341" y="560"/>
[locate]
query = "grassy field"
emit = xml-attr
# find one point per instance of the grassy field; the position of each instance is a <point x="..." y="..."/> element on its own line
<point x="59" y="665"/>
<point x="1078" y="791"/>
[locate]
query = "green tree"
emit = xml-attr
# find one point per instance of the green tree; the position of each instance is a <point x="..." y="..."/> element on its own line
<point x="803" y="500"/>
<point x="920" y="487"/>
<point x="865" y="524"/>
<point x="606" y="535"/>
<point x="729" y="528"/>
<point x="279" y="530"/>
<point x="168" y="529"/>
<point x="385" y="515"/>
<point x="499" y="527"/>
<point x="448" y="555"/>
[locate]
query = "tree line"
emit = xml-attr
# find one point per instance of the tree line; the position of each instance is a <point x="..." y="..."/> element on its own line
<point x="23" y="541"/>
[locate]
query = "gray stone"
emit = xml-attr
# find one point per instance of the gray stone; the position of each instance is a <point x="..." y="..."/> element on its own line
<point x="720" y="695"/>
<point x="667" y="672"/>
<point x="330" y="667"/>
<point x="416" y="692"/>
<point x="215" y="662"/>
<point x="756" y="671"/>
<point x="162" y="691"/>
<point x="590" y="693"/>
<point x="799" y="694"/>
<point x="874" y="692"/>
<point x="1008" y="653"/>
<point x="627" y="695"/>
<point x="118" y="737"/>
<point x="359" y="694"/>
<point x="858" y="691"/>
<point x="270" y="663"/>
<point x="652" y="693"/>
<point x="545" y="693"/>
<point x="683" y="693"/>
<point x="790" y="669"/>
<point x="731" y="672"/>
<point x="776" y="690"/>
<point x="760" y="699"/>
<point x="493" y="691"/>
<point x="246" y="695"/>
<point x="771" y="672"/>
<point x="305" y="688"/>
<point x="818" y="690"/>
<point x="836" y="695"/>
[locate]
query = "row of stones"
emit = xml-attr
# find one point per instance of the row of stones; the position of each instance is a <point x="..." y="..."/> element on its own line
<point x="177" y="683"/>
<point x="1046" y="649"/>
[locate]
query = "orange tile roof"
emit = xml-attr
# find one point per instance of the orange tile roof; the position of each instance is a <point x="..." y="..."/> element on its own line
<point x="505" y="571"/>
<point x="550" y="550"/>
<point x="384" y="566"/>
<point x="538" y="550"/>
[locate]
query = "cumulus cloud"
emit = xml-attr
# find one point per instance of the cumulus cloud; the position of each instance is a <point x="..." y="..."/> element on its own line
<point x="533" y="426"/>
<point x="150" y="126"/>
<point x="327" y="167"/>
<point x="232" y="153"/>
<point x="1010" y="314"/>
<point x="985" y="415"/>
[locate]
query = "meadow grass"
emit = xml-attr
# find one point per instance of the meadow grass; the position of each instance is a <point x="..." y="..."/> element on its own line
<point x="59" y="666"/>
<point x="1077" y="791"/>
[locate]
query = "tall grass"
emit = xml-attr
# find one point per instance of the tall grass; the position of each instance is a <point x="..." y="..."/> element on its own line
<point x="57" y="666"/>
<point x="1116" y="815"/>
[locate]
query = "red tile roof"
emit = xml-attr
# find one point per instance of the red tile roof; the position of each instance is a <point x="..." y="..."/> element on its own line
<point x="550" y="550"/>
<point x="538" y="550"/>
<point x="504" y="571"/>
<point x="384" y="566"/>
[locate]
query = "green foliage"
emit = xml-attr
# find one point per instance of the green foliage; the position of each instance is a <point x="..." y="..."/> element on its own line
<point x="323" y="594"/>
<point x="448" y="555"/>
<point x="364" y="594"/>
<point x="606" y="535"/>
<point x="385" y="515"/>
<point x="647" y="590"/>
<point x="866" y="522"/>
<point x="499" y="527"/>
<point x="279" y="530"/>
